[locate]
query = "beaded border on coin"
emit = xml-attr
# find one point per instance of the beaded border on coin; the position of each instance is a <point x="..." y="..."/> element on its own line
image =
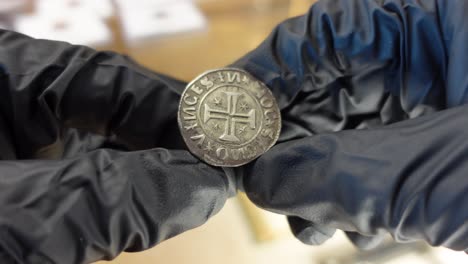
<point x="228" y="118"/>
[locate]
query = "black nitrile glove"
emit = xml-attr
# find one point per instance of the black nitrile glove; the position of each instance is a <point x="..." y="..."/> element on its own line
<point x="65" y="197"/>
<point x="359" y="66"/>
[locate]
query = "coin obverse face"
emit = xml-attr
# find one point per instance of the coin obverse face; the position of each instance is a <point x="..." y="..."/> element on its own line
<point x="228" y="118"/>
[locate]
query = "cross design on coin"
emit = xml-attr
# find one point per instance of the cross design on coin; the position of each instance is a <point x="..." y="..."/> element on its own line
<point x="231" y="116"/>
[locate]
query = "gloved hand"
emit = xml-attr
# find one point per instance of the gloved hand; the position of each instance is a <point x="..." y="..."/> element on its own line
<point x="360" y="66"/>
<point x="65" y="197"/>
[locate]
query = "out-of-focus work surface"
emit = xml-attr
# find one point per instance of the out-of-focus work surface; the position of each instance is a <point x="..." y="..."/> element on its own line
<point x="183" y="39"/>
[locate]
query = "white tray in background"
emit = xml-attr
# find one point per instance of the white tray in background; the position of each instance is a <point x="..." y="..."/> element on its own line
<point x="81" y="28"/>
<point x="142" y="19"/>
<point x="100" y="8"/>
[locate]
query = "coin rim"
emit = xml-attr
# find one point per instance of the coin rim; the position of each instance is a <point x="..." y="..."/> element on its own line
<point x="179" y="121"/>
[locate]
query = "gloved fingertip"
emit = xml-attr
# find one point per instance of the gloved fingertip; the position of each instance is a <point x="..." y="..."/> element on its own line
<point x="314" y="236"/>
<point x="308" y="232"/>
<point x="365" y="242"/>
<point x="234" y="180"/>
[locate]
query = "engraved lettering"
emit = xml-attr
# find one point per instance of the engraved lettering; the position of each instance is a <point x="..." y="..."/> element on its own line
<point x="208" y="147"/>
<point x="266" y="102"/>
<point x="251" y="151"/>
<point x="199" y="138"/>
<point x="268" y="132"/>
<point x="233" y="76"/>
<point x="245" y="79"/>
<point x="261" y="146"/>
<point x="221" y="77"/>
<point x="189" y="101"/>
<point x="238" y="154"/>
<point x="190" y="117"/>
<point x="221" y="150"/>
<point x="270" y="116"/>
<point x="259" y="91"/>
<point x="207" y="83"/>
<point x="190" y="111"/>
<point x="196" y="89"/>
<point x="272" y="112"/>
<point x="191" y="126"/>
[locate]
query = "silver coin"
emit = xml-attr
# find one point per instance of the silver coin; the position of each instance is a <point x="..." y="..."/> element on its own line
<point x="228" y="118"/>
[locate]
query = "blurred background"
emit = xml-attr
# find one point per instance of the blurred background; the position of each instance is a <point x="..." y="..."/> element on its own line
<point x="183" y="38"/>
